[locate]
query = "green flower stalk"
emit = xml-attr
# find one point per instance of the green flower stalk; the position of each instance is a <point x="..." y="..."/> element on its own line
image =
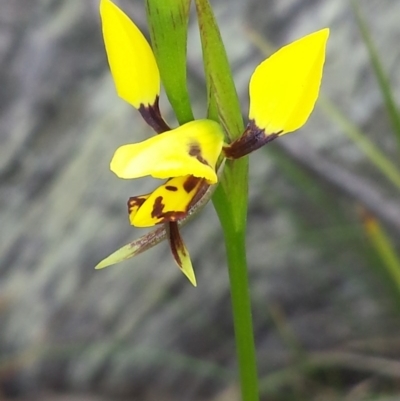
<point x="197" y="159"/>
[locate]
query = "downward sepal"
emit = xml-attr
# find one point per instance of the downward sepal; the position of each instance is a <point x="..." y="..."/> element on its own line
<point x="180" y="253"/>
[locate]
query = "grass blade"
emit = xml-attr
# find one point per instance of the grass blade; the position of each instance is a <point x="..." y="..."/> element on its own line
<point x="384" y="249"/>
<point x="383" y="81"/>
<point x="374" y="154"/>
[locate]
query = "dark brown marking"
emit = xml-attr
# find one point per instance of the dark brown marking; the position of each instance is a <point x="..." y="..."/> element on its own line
<point x="200" y="191"/>
<point x="190" y="183"/>
<point x="171" y="188"/>
<point x="172" y="216"/>
<point x="195" y="151"/>
<point x="151" y="114"/>
<point x="135" y="202"/>
<point x="252" y="139"/>
<point x="175" y="241"/>
<point x="163" y="217"/>
<point x="158" y="207"/>
<point x="158" y="213"/>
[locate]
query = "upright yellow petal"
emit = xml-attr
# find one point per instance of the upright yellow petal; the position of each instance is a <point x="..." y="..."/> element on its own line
<point x="131" y="59"/>
<point x="284" y="88"/>
<point x="191" y="149"/>
<point x="169" y="202"/>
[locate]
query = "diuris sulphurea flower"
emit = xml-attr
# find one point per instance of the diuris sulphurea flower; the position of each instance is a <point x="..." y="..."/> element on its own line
<point x="283" y="90"/>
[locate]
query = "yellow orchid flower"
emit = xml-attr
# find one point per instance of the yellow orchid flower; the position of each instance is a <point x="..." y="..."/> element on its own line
<point x="186" y="155"/>
<point x="283" y="90"/>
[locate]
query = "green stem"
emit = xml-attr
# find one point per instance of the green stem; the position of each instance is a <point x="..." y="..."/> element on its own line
<point x="235" y="242"/>
<point x="230" y="197"/>
<point x="241" y="305"/>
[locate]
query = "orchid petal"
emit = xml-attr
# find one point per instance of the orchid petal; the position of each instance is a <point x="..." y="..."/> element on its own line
<point x="169" y="202"/>
<point x="131" y="59"/>
<point x="284" y="88"/>
<point x="191" y="149"/>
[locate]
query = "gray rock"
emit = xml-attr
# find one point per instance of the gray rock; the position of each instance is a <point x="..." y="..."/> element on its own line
<point x="139" y="328"/>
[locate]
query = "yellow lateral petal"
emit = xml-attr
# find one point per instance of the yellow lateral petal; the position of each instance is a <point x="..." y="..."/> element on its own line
<point x="284" y="88"/>
<point x="180" y="253"/>
<point x="131" y="59"/>
<point x="191" y="149"/>
<point x="169" y="202"/>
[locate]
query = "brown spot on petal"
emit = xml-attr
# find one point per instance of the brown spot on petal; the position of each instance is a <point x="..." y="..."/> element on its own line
<point x="158" y="207"/>
<point x="195" y="151"/>
<point x="158" y="213"/>
<point x="190" y="184"/>
<point x="171" y="188"/>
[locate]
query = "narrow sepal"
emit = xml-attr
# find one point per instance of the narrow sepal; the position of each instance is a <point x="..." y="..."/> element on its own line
<point x="134" y="248"/>
<point x="284" y="88"/>
<point x="180" y="253"/>
<point x="131" y="59"/>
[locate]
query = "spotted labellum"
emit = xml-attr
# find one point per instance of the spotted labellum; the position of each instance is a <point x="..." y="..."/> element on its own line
<point x="283" y="90"/>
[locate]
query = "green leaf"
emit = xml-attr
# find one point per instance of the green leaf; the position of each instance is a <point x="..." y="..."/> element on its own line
<point x="168" y="21"/>
<point x="220" y="86"/>
<point x="380" y="74"/>
<point x="230" y="198"/>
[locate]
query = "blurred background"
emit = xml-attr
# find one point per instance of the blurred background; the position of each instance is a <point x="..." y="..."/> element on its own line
<point x="323" y="232"/>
